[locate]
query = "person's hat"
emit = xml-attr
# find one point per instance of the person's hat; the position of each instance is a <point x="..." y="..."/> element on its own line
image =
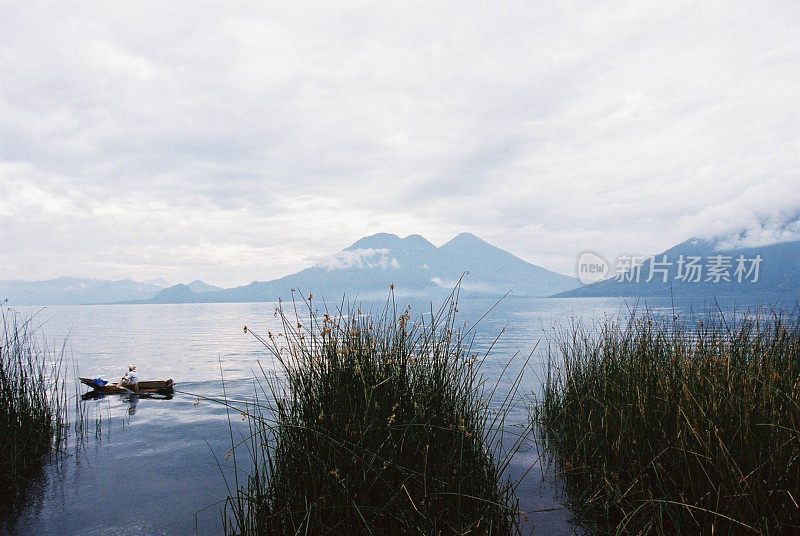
<point x="132" y="367"/>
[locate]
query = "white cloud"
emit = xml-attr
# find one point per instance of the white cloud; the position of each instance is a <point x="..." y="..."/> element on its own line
<point x="449" y="284"/>
<point x="359" y="258"/>
<point x="236" y="142"/>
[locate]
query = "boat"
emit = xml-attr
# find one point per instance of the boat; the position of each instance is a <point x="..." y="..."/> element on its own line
<point x="157" y="386"/>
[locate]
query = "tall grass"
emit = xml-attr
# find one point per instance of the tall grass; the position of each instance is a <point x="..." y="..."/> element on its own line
<point x="380" y="425"/>
<point x="32" y="404"/>
<point x="660" y="428"/>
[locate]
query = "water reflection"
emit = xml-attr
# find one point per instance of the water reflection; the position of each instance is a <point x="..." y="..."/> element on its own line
<point x="25" y="495"/>
<point x="133" y="401"/>
<point x="127" y="397"/>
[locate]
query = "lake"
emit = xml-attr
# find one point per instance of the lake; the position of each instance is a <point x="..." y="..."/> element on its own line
<point x="158" y="466"/>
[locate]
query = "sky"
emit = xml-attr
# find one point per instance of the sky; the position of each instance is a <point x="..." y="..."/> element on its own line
<point x="233" y="142"/>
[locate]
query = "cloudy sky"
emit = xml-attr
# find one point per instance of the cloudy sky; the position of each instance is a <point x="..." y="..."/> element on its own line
<point x="202" y="140"/>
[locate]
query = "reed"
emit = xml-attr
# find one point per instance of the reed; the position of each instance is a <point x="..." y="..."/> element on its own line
<point x="662" y="428"/>
<point x="32" y="404"/>
<point x="379" y="425"/>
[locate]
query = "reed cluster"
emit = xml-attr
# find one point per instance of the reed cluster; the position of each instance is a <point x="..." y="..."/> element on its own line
<point x="379" y="426"/>
<point x="662" y="428"/>
<point x="32" y="404"/>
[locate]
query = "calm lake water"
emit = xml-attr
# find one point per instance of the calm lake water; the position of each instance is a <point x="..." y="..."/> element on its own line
<point x="158" y="467"/>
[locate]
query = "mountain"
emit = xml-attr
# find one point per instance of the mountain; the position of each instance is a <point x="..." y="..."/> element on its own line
<point x="179" y="293"/>
<point x="73" y="290"/>
<point x="415" y="266"/>
<point x="83" y="291"/>
<point x="775" y="275"/>
<point x="199" y="286"/>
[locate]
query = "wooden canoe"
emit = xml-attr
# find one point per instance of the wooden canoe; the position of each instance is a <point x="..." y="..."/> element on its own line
<point x="159" y="386"/>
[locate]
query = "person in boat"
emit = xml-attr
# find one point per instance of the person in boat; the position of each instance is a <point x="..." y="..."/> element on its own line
<point x="130" y="380"/>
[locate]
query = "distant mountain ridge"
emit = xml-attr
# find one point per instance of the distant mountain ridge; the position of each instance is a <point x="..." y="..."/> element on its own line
<point x="363" y="270"/>
<point x="416" y="267"/>
<point x="777" y="274"/>
<point x="199" y="286"/>
<point x="74" y="291"/>
<point x="84" y="291"/>
<point x="412" y="264"/>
